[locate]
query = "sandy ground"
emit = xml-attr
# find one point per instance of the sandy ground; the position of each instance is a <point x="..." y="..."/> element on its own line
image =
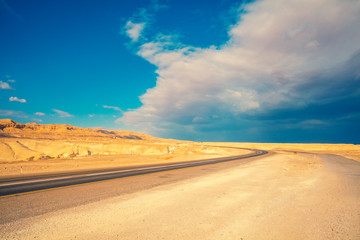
<point x="347" y="150"/>
<point x="281" y="196"/>
<point x="106" y="157"/>
<point x="116" y="153"/>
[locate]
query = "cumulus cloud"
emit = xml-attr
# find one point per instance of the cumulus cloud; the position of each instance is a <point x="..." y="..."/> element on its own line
<point x="40" y="114"/>
<point x="133" y="30"/>
<point x="16" y="99"/>
<point x="4" y="85"/>
<point x="281" y="55"/>
<point x="62" y="113"/>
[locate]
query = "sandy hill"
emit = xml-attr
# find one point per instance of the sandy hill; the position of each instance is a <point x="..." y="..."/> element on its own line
<point x="32" y="141"/>
<point x="41" y="145"/>
<point x="39" y="148"/>
<point x="10" y="128"/>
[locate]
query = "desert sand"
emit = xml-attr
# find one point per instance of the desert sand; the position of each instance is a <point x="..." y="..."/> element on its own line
<point x="298" y="191"/>
<point x="351" y="151"/>
<point x="38" y="148"/>
<point x="281" y="196"/>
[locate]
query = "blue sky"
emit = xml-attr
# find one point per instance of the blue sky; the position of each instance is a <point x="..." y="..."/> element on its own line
<point x="259" y="71"/>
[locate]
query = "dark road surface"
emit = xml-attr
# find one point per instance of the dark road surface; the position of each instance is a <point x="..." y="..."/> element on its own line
<point x="18" y="185"/>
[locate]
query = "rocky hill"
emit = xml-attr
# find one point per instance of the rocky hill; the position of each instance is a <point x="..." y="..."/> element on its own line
<point x="39" y="144"/>
<point x="10" y="128"/>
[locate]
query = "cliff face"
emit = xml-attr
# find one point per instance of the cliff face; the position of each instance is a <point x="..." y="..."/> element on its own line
<point x="10" y="128"/>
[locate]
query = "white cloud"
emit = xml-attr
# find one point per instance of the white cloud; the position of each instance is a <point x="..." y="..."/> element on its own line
<point x="11" y="80"/>
<point x="142" y="18"/>
<point x="133" y="30"/>
<point x="91" y="115"/>
<point x="40" y="114"/>
<point x="16" y="99"/>
<point x="37" y="120"/>
<point x="313" y="122"/>
<point x="114" y="108"/>
<point x="312" y="45"/>
<point x="62" y="113"/>
<point x="11" y="113"/>
<point x="4" y="85"/>
<point x="280" y="54"/>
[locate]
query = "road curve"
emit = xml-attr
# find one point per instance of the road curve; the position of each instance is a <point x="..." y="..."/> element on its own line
<point x="18" y="185"/>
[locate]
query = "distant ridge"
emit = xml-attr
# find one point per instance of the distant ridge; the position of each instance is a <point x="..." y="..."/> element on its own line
<point x="10" y="128"/>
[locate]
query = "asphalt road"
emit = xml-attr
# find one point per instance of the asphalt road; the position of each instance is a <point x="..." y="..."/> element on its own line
<point x="18" y="185"/>
<point x="30" y="204"/>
